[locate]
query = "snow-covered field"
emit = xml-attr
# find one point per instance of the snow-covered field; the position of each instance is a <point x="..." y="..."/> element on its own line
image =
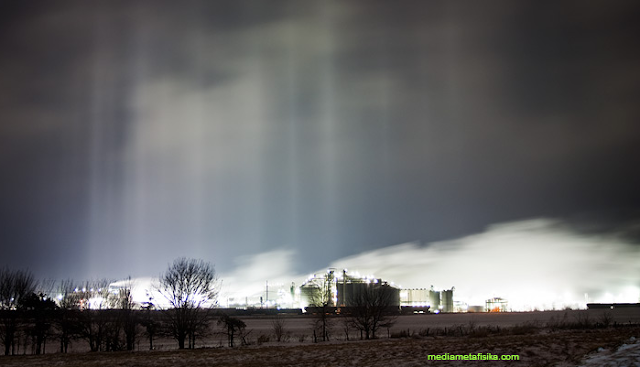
<point x="627" y="354"/>
<point x="537" y="345"/>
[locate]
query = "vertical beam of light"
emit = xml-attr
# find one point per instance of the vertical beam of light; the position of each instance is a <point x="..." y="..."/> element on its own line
<point x="329" y="131"/>
<point x="103" y="200"/>
<point x="254" y="137"/>
<point x="166" y="150"/>
<point x="138" y="169"/>
<point x="197" y="147"/>
<point x="453" y="113"/>
<point x="453" y="98"/>
<point x="383" y="103"/>
<point x="293" y="115"/>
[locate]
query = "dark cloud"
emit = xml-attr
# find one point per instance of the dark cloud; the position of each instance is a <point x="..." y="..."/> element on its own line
<point x="217" y="129"/>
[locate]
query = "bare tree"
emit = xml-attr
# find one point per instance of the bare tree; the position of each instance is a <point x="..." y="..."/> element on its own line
<point x="190" y="287"/>
<point x="149" y="321"/>
<point x="96" y="325"/>
<point x="39" y="313"/>
<point x="233" y="326"/>
<point x="372" y="306"/>
<point x="15" y="287"/>
<point x="68" y="306"/>
<point x="278" y="325"/>
<point x="321" y="305"/>
<point x="128" y="318"/>
<point x="125" y="320"/>
<point x="42" y="310"/>
<point x="347" y="326"/>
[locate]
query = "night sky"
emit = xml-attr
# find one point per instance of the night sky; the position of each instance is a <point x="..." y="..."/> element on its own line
<point x="135" y="132"/>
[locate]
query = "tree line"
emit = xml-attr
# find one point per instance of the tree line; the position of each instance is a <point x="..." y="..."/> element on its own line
<point x="29" y="318"/>
<point x="108" y="320"/>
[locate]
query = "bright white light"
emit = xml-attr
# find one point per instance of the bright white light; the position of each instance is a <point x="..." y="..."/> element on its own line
<point x="535" y="264"/>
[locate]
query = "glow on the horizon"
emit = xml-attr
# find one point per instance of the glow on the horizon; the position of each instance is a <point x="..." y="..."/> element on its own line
<point x="533" y="265"/>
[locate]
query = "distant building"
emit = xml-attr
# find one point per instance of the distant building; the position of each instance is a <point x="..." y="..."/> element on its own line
<point x="351" y="294"/>
<point x="437" y="301"/>
<point x="343" y="290"/>
<point x="434" y="300"/>
<point x="417" y="297"/>
<point x="496" y="304"/>
<point x="447" y="300"/>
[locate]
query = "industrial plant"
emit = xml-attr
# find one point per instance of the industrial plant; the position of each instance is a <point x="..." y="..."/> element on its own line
<point x="343" y="290"/>
<point x="435" y="301"/>
<point x="335" y="291"/>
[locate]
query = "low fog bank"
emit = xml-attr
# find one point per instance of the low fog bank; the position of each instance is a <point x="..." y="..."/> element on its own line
<point x="538" y="263"/>
<point x="534" y="264"/>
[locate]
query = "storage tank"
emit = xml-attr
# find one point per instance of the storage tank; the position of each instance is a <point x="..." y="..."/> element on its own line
<point x="447" y="300"/>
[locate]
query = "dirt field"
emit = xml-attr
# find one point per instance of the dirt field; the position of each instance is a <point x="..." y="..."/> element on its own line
<point x="564" y="348"/>
<point x="531" y="336"/>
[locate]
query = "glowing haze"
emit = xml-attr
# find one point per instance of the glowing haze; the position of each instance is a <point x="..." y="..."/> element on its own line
<point x="533" y="264"/>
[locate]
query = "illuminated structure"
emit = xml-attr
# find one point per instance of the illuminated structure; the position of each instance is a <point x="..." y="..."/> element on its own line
<point x="496" y="304"/>
<point x="351" y="293"/>
<point x="447" y="300"/>
<point x="319" y="290"/>
<point x="437" y="301"/>
<point x="434" y="300"/>
<point x="334" y="289"/>
<point x="417" y="297"/>
<point x="342" y="290"/>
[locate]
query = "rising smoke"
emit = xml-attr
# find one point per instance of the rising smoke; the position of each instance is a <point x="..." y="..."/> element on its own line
<point x="534" y="264"/>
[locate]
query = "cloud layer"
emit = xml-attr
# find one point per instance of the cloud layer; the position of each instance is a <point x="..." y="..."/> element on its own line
<point x="228" y="128"/>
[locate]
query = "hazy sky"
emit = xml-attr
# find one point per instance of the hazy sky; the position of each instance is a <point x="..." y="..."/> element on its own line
<point x="135" y="132"/>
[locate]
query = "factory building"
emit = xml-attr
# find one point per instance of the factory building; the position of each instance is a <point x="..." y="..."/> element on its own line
<point x="417" y="297"/>
<point x="436" y="301"/>
<point x="342" y="290"/>
<point x="355" y="293"/>
<point x="446" y="300"/>
<point x="496" y="304"/>
<point x="345" y="290"/>
<point x="319" y="290"/>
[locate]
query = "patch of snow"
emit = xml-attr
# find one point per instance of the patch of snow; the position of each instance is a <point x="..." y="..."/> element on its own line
<point x="625" y="355"/>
